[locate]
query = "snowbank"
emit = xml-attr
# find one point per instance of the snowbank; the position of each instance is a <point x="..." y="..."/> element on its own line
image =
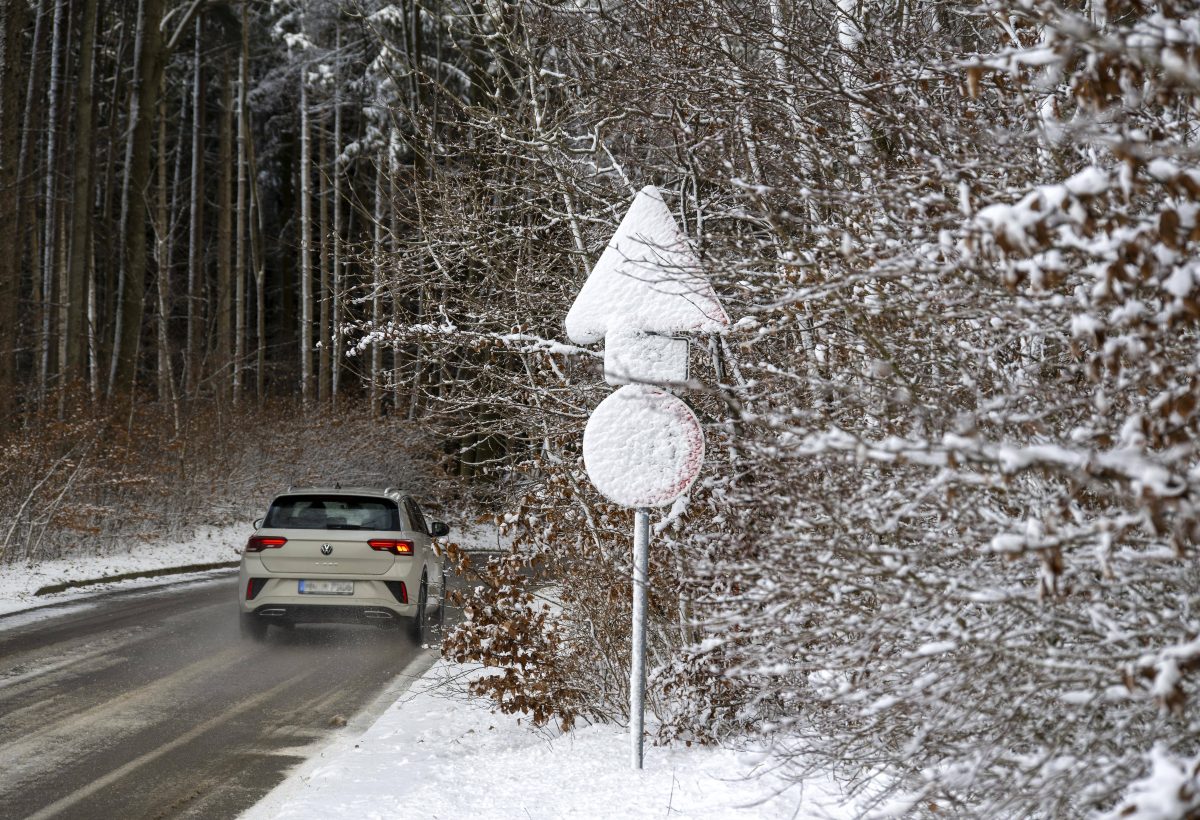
<point x="436" y="753"/>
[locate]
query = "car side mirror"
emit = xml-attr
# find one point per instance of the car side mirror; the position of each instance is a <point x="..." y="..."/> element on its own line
<point x="258" y="522"/>
<point x="437" y="529"/>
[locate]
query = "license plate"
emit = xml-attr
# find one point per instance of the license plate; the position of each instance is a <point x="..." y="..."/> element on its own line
<point x="326" y="587"/>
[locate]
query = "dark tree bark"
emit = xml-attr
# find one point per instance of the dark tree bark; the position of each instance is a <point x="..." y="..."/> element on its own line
<point x="81" y="200"/>
<point x="239" y="344"/>
<point x="50" y="199"/>
<point x="323" y="377"/>
<point x="162" y="255"/>
<point x="195" y="281"/>
<point x="12" y="24"/>
<point x="150" y="63"/>
<point x="223" y="363"/>
<point x="305" y="266"/>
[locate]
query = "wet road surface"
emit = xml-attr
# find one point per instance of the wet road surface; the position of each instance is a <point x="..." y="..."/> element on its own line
<point x="150" y="704"/>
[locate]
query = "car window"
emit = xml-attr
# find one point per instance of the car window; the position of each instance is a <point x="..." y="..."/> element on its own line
<point x="414" y="515"/>
<point x="341" y="512"/>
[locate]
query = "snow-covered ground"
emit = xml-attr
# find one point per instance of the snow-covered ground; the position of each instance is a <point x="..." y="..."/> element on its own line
<point x="438" y="753"/>
<point x="20" y="582"/>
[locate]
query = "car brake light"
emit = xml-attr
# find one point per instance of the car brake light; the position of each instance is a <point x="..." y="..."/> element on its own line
<point x="258" y="543"/>
<point x="389" y="545"/>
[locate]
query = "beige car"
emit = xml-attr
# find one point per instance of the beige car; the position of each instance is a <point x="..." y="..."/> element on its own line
<point x="341" y="554"/>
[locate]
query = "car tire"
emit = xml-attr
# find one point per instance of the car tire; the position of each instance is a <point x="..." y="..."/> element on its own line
<point x="416" y="626"/>
<point x="253" y="628"/>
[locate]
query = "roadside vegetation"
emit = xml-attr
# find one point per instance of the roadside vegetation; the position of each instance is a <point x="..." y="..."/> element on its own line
<point x="944" y="545"/>
<point x="101" y="482"/>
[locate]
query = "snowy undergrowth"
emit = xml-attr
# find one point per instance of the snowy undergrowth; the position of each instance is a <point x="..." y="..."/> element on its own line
<point x="439" y="753"/>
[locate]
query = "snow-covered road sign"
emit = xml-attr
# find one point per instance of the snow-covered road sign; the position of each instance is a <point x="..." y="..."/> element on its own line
<point x="646" y="287"/>
<point x="633" y="356"/>
<point x="643" y="447"/>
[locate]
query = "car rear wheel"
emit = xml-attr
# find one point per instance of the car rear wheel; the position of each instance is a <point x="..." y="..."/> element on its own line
<point x="253" y="628"/>
<point x="416" y="627"/>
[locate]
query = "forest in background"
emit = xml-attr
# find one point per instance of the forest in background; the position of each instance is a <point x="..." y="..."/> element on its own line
<point x="197" y="198"/>
<point x="944" y="545"/>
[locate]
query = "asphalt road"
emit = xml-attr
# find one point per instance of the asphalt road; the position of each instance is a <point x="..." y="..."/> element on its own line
<point x="150" y="704"/>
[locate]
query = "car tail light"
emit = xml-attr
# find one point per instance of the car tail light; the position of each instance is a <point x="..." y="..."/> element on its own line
<point x="258" y="543"/>
<point x="253" y="587"/>
<point x="392" y="546"/>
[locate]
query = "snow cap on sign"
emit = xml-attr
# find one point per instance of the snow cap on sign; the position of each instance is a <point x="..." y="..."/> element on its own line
<point x="647" y="279"/>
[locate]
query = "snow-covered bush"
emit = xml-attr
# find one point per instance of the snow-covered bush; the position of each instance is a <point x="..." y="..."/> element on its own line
<point x="1171" y="791"/>
<point x="944" y="542"/>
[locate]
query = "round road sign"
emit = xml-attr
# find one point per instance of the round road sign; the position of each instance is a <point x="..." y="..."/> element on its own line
<point x="643" y="447"/>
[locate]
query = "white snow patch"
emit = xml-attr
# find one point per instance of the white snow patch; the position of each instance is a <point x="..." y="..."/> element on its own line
<point x="438" y="753"/>
<point x="1091" y="181"/>
<point x="935" y="648"/>
<point x="484" y="537"/>
<point x="1171" y="791"/>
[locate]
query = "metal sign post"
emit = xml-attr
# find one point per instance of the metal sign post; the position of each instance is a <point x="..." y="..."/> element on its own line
<point x="637" y="666"/>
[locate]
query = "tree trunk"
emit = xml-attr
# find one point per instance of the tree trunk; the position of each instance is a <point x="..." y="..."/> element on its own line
<point x="162" y="253"/>
<point x="103" y="302"/>
<point x="260" y="273"/>
<point x="376" y="288"/>
<point x="12" y="24"/>
<point x="397" y="307"/>
<point x="305" y="340"/>
<point x="224" y="231"/>
<point x="239" y="342"/>
<point x="195" y="284"/>
<point x="323" y="291"/>
<point x="26" y="181"/>
<point x="75" y="343"/>
<point x="150" y="57"/>
<point x="336" y="353"/>
<point x="50" y="200"/>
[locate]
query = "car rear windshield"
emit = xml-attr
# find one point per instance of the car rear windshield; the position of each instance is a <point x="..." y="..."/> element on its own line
<point x="333" y="512"/>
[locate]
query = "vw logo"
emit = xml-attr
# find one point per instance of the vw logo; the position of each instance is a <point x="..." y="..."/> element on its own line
<point x="327" y="549"/>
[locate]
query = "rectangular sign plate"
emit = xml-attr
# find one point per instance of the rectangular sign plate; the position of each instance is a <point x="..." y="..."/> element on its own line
<point x="326" y="587"/>
<point x="643" y="358"/>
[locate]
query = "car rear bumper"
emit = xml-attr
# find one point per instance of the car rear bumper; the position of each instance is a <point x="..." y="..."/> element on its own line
<point x="326" y="613"/>
<point x="389" y="594"/>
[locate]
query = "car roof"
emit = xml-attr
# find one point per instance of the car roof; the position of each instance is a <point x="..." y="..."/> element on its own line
<point x="382" y="492"/>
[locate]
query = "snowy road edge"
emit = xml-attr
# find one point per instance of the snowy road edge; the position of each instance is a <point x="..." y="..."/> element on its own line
<point x="297" y="778"/>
